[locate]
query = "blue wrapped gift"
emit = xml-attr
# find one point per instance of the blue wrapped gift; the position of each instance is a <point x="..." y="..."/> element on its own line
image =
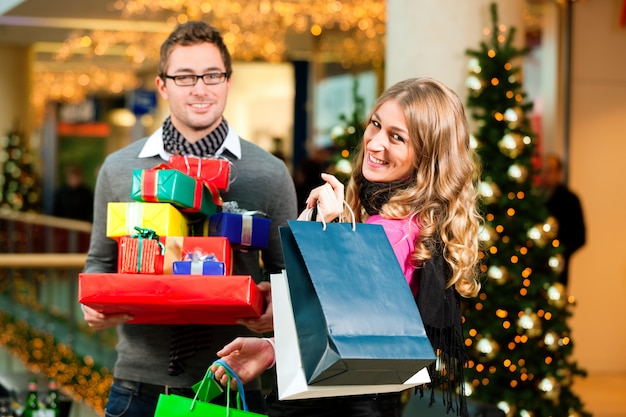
<point x="198" y="268"/>
<point x="242" y="230"/>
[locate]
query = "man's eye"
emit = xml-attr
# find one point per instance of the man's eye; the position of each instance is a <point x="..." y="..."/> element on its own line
<point x="186" y="78"/>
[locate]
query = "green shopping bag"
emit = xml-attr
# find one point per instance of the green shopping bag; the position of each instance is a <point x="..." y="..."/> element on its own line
<point x="177" y="406"/>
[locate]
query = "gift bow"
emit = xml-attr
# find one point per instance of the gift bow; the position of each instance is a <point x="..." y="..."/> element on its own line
<point x="199" y="256"/>
<point x="144" y="233"/>
<point x="233" y="207"/>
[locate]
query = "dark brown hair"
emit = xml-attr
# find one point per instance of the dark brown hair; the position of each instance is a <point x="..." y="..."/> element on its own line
<point x="192" y="33"/>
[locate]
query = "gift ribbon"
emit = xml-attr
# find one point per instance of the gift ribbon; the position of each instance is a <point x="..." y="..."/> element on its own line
<point x="134" y="215"/>
<point x="247" y="219"/>
<point x="198" y="173"/>
<point x="149" y="183"/>
<point x="215" y="194"/>
<point x="161" y="218"/>
<point x="143" y="233"/>
<point x="222" y="163"/>
<point x="246" y="230"/>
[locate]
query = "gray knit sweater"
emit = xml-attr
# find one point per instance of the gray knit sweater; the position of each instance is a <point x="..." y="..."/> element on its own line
<point x="262" y="183"/>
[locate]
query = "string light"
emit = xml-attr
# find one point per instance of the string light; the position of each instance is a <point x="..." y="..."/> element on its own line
<point x="252" y="29"/>
<point x="347" y="32"/>
<point x="80" y="378"/>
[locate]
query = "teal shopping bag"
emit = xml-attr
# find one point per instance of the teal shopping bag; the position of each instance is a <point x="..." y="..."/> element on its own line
<point x="356" y="320"/>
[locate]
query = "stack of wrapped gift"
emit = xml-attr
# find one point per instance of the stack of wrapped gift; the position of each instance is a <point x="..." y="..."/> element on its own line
<point x="245" y="230"/>
<point x="165" y="275"/>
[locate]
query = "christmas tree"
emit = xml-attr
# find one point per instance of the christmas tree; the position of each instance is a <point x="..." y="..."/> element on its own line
<point x="19" y="185"/>
<point x="516" y="329"/>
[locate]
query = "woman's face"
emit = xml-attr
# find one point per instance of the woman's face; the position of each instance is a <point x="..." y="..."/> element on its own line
<point x="388" y="153"/>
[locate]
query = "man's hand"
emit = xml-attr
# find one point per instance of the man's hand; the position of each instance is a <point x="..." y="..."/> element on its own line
<point x="265" y="323"/>
<point x="100" y="321"/>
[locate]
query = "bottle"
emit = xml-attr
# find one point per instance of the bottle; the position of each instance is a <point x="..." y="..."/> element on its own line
<point x="53" y="403"/>
<point x="31" y="406"/>
<point x="5" y="408"/>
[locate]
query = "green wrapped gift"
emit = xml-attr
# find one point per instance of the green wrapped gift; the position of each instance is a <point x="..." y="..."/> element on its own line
<point x="163" y="185"/>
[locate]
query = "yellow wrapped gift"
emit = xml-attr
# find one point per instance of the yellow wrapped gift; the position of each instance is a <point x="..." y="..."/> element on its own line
<point x="163" y="218"/>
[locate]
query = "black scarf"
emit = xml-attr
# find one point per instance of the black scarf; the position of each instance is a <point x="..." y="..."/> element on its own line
<point x="374" y="195"/>
<point x="175" y="143"/>
<point x="439" y="307"/>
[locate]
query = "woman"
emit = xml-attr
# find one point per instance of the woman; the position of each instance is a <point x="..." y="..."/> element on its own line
<point x="414" y="174"/>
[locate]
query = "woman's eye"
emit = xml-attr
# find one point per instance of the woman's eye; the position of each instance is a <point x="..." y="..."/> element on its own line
<point x="375" y="123"/>
<point x="397" y="137"/>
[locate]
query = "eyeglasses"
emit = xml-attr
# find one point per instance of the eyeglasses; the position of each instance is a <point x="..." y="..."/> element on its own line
<point x="189" y="80"/>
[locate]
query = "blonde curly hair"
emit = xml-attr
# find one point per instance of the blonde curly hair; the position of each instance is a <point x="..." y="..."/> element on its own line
<point x="442" y="196"/>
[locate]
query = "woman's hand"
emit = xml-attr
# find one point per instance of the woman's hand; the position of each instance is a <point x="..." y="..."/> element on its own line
<point x="248" y="357"/>
<point x="328" y="198"/>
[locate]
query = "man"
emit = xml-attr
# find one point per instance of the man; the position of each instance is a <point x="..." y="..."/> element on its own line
<point x="565" y="206"/>
<point x="74" y="200"/>
<point x="194" y="75"/>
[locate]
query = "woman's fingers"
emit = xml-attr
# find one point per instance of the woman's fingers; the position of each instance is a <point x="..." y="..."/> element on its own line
<point x="336" y="185"/>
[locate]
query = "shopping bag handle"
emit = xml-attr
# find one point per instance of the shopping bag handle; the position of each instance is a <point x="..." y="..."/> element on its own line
<point x="319" y="209"/>
<point x="241" y="396"/>
<point x="240" y="391"/>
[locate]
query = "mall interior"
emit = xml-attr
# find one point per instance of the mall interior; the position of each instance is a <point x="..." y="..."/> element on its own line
<point x="78" y="83"/>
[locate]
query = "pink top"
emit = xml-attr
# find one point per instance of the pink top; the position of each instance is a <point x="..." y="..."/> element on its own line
<point x="401" y="234"/>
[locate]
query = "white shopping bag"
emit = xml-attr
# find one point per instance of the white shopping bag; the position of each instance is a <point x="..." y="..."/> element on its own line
<point x="291" y="380"/>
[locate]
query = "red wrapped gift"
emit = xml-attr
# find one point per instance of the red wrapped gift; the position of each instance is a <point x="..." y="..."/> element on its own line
<point x="211" y="170"/>
<point x="172" y="299"/>
<point x="141" y="253"/>
<point x="178" y="247"/>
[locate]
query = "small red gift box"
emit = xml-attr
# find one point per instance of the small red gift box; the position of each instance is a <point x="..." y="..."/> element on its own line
<point x="139" y="255"/>
<point x="172" y="299"/>
<point x="215" y="171"/>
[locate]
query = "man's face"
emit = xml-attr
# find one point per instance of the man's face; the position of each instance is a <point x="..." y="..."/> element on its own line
<point x="194" y="110"/>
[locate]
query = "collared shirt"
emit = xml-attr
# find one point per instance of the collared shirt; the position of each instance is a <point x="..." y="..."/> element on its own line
<point x="154" y="146"/>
